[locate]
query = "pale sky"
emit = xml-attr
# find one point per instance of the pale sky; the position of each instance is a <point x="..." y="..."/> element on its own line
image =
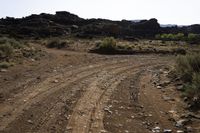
<point x="182" y="12"/>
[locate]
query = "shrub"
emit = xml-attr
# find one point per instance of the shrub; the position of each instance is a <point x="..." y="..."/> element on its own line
<point x="108" y="44"/>
<point x="158" y="36"/>
<point x="187" y="65"/>
<point x="180" y="36"/>
<point x="4" y="65"/>
<point x="7" y="45"/>
<point x="193" y="38"/>
<point x="12" y="42"/>
<point x="56" y="43"/>
<point x="188" y="68"/>
<point x="6" y="50"/>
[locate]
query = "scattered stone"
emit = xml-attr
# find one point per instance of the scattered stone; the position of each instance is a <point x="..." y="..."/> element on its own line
<point x="189" y="129"/>
<point x="165" y="72"/>
<point x="30" y="121"/>
<point x="179" y="88"/>
<point x="69" y="128"/>
<point x="159" y="87"/>
<point x="156" y="130"/>
<point x="32" y="60"/>
<point x="166" y="98"/>
<point x="55" y="81"/>
<point x="185" y="99"/>
<point x="3" y="70"/>
<point x="150" y="115"/>
<point x="181" y="123"/>
<point x="132" y="117"/>
<point x="120" y="125"/>
<point x="165" y="83"/>
<point x="167" y="131"/>
<point x="180" y="131"/>
<point x="126" y="131"/>
<point x="108" y="110"/>
<point x="103" y="131"/>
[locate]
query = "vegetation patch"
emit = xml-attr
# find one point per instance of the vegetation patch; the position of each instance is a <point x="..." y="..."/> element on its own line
<point x="188" y="68"/>
<point x="56" y="43"/>
<point x="191" y="38"/>
<point x="5" y="65"/>
<point x="7" y="47"/>
<point x="111" y="46"/>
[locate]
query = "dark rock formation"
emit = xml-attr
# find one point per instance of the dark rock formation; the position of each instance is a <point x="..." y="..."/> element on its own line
<point x="65" y="23"/>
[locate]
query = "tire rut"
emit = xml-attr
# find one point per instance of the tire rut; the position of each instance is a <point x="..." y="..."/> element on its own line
<point x="34" y="100"/>
<point x="90" y="118"/>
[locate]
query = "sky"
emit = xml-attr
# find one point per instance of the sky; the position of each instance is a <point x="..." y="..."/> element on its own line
<point x="181" y="12"/>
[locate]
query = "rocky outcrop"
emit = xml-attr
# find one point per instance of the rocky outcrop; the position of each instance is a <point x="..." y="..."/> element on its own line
<point x="64" y="23"/>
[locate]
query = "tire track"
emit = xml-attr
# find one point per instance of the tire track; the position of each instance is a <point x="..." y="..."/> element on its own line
<point x="37" y="99"/>
<point x="90" y="117"/>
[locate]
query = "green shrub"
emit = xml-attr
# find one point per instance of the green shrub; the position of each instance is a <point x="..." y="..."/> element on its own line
<point x="193" y="38"/>
<point x="188" y="68"/>
<point x="7" y="45"/>
<point x="6" y="50"/>
<point x="4" y="65"/>
<point x="56" y="43"/>
<point x="108" y="44"/>
<point x="158" y="36"/>
<point x="12" y="42"/>
<point x="180" y="36"/>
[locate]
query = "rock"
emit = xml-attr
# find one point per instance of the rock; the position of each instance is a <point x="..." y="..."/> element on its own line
<point x="103" y="131"/>
<point x="108" y="110"/>
<point x="166" y="98"/>
<point x="30" y="121"/>
<point x="69" y="128"/>
<point x="180" y="131"/>
<point x="165" y="83"/>
<point x="55" y="81"/>
<point x="132" y="117"/>
<point x="179" y="88"/>
<point x="156" y="130"/>
<point x="189" y="129"/>
<point x="167" y="131"/>
<point x="181" y="123"/>
<point x="33" y="60"/>
<point x="159" y="87"/>
<point x="150" y="115"/>
<point x="185" y="99"/>
<point x="126" y="131"/>
<point x="3" y="70"/>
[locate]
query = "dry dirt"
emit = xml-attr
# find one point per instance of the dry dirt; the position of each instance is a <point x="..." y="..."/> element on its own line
<point x="79" y="92"/>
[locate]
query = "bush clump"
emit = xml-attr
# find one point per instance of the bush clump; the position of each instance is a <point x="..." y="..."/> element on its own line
<point x="108" y="44"/>
<point x="7" y="46"/>
<point x="191" y="38"/>
<point x="169" y="37"/>
<point x="5" y="65"/>
<point x="188" y="68"/>
<point x="56" y="43"/>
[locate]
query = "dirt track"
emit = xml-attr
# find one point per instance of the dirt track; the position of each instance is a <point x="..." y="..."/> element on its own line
<point x="81" y="93"/>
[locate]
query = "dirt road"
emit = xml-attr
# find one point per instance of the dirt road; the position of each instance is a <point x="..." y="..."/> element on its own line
<point x="86" y="93"/>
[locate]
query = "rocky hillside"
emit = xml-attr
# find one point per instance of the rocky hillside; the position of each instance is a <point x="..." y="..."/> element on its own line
<point x="65" y="23"/>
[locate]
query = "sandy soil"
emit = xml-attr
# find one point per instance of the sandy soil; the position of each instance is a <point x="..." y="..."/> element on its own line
<point x="78" y="92"/>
